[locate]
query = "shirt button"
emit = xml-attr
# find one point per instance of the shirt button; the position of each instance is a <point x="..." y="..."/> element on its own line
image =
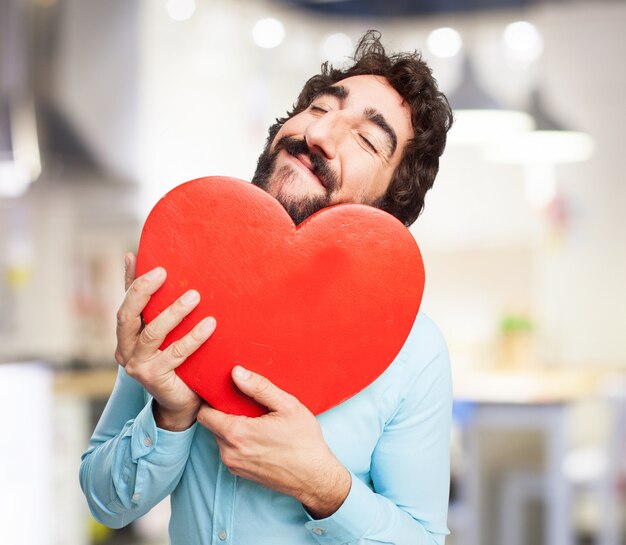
<point x="136" y="497"/>
<point x="222" y="535"/>
<point x="318" y="531"/>
<point x="147" y="441"/>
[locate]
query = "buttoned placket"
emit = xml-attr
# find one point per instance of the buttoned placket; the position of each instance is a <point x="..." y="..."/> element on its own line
<point x="224" y="506"/>
<point x="143" y="444"/>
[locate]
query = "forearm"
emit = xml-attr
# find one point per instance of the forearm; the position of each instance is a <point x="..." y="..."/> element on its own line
<point x="108" y="496"/>
<point x="324" y="499"/>
<point x="173" y="421"/>
<point x="368" y="517"/>
<point x="125" y="476"/>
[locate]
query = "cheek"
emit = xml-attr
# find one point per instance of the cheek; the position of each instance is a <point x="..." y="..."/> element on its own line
<point x="374" y="182"/>
<point x="359" y="180"/>
<point x="293" y="126"/>
<point x="277" y="137"/>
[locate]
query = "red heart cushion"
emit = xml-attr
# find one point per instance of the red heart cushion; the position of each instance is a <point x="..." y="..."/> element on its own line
<point x="321" y="310"/>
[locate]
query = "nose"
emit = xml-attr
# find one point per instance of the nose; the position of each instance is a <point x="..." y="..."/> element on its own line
<point x="322" y="134"/>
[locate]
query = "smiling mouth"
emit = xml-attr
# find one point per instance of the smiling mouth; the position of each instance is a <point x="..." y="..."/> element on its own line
<point x="303" y="164"/>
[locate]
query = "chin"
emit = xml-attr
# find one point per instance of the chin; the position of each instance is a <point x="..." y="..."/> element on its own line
<point x="291" y="185"/>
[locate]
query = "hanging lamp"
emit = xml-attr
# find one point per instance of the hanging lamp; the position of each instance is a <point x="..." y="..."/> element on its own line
<point x="479" y="117"/>
<point x="540" y="150"/>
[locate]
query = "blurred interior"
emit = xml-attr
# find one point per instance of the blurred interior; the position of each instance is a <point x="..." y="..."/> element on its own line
<point x="105" y="105"/>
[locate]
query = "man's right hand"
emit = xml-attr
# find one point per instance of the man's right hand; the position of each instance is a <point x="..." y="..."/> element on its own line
<point x="175" y="404"/>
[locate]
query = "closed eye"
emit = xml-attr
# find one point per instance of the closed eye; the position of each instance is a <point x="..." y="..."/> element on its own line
<point x="318" y="109"/>
<point x="368" y="143"/>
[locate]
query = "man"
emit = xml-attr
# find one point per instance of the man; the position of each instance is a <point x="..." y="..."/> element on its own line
<point x="374" y="469"/>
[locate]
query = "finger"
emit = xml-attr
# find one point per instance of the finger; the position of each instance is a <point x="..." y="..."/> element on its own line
<point x="153" y="335"/>
<point x="216" y="421"/>
<point x="138" y="295"/>
<point x="180" y="350"/>
<point x="130" y="269"/>
<point x="129" y="322"/>
<point x="141" y="289"/>
<point x="262" y="390"/>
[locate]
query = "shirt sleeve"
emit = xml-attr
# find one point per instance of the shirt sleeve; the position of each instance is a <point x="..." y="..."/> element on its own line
<point x="131" y="465"/>
<point x="407" y="500"/>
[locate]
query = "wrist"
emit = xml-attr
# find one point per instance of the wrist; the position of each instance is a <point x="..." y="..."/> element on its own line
<point x="168" y="420"/>
<point x="326" y="500"/>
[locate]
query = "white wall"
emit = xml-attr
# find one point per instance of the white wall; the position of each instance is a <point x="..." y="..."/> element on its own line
<point x="581" y="283"/>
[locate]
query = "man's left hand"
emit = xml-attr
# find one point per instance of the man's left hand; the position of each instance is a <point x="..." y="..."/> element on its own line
<point x="283" y="450"/>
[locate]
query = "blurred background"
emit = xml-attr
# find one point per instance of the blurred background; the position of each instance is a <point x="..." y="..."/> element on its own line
<point x="105" y="105"/>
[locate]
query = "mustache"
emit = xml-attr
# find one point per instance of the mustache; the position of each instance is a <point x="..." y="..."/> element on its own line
<point x="320" y="166"/>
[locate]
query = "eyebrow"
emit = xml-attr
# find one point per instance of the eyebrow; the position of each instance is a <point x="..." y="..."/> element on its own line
<point x="340" y="92"/>
<point x="337" y="91"/>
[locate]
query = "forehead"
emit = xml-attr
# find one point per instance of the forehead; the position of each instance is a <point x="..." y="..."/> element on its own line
<point x="369" y="91"/>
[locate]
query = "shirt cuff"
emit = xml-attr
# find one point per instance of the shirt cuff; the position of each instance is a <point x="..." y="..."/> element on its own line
<point x="147" y="438"/>
<point x="351" y="521"/>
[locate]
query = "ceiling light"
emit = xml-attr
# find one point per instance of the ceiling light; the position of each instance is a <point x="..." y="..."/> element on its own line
<point x="20" y="162"/>
<point x="14" y="180"/>
<point x="523" y="41"/>
<point x="337" y="47"/>
<point x="552" y="142"/>
<point x="539" y="151"/>
<point x="543" y="147"/>
<point x="479" y="118"/>
<point x="444" y="42"/>
<point x="180" y="10"/>
<point x="268" y="33"/>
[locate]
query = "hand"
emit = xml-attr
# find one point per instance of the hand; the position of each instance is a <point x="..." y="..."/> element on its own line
<point x="129" y="324"/>
<point x="283" y="450"/>
<point x="175" y="404"/>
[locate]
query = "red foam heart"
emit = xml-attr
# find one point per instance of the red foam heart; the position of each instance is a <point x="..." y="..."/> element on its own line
<point x="321" y="310"/>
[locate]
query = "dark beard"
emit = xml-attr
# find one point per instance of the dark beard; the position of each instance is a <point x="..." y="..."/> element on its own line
<point x="302" y="208"/>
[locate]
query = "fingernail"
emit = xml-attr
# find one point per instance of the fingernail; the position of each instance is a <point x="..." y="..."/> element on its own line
<point x="126" y="262"/>
<point x="241" y="373"/>
<point x="155" y="273"/>
<point x="190" y="297"/>
<point x="207" y="324"/>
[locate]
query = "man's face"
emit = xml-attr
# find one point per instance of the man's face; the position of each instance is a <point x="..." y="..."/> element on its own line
<point x="344" y="147"/>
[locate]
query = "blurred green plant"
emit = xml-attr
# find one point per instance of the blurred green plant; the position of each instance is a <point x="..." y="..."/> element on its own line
<point x="512" y="323"/>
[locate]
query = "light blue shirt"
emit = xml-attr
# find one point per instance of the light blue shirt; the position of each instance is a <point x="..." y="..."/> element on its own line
<point x="393" y="437"/>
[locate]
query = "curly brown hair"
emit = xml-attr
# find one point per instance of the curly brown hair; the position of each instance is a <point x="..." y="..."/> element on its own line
<point x="431" y="117"/>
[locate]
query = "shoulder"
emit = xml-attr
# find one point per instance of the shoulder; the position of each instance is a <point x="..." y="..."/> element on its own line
<point x="422" y="361"/>
<point x="421" y="375"/>
<point x="425" y="340"/>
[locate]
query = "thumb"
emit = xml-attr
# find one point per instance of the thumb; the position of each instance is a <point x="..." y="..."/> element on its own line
<point x="261" y="389"/>
<point x="130" y="269"/>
